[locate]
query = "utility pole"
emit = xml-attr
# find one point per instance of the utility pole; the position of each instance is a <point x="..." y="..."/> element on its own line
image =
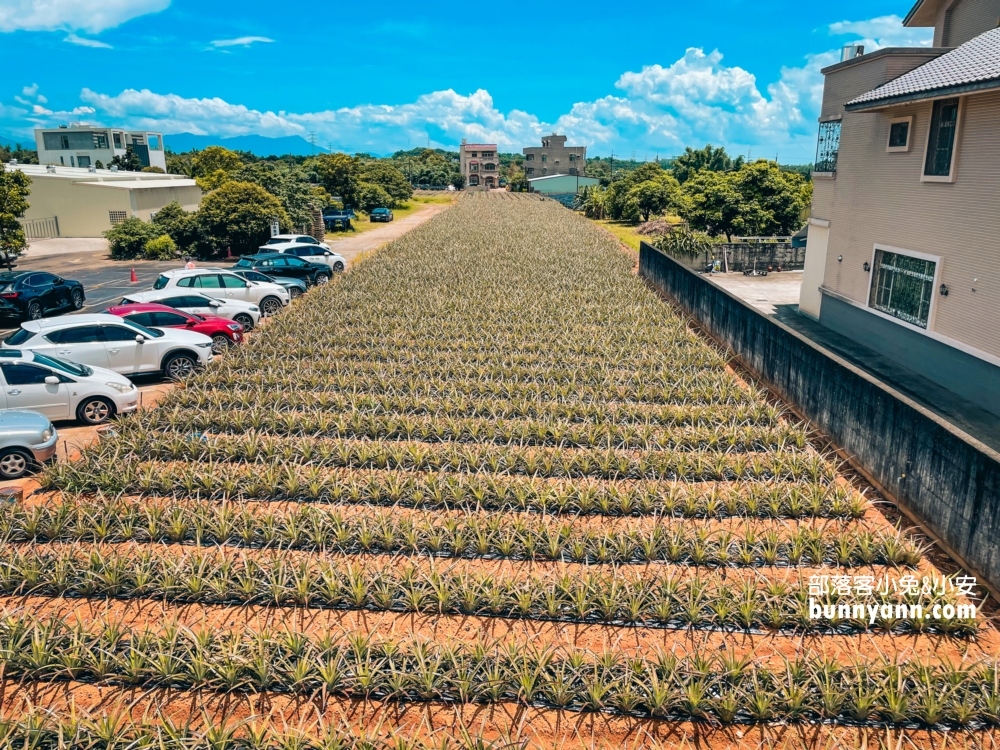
<point x="312" y="140"/>
<point x="612" y="178"/>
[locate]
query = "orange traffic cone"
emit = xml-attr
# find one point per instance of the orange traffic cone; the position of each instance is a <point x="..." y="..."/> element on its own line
<point x="229" y="252"/>
<point x="132" y="277"/>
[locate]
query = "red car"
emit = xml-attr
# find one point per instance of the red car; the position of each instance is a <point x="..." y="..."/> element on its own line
<point x="223" y="331"/>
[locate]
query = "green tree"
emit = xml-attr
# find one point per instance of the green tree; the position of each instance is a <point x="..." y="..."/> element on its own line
<point x="656" y="196"/>
<point x="773" y="199"/>
<point x="692" y="161"/>
<point x="339" y="175"/>
<point x="127" y="163"/>
<point x="387" y="177"/>
<point x="371" y="196"/>
<point x="128" y="239"/>
<point x="289" y="184"/>
<point x="237" y="215"/>
<point x="458" y="180"/>
<point x="15" y="187"/>
<point x="213" y="180"/>
<point x="214" y="158"/>
<point x="180" y="225"/>
<point x="714" y="205"/>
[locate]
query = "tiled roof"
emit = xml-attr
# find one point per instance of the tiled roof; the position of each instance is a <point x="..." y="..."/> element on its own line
<point x="974" y="65"/>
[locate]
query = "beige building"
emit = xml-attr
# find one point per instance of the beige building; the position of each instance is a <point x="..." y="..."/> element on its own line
<point x="75" y="202"/>
<point x="554" y="157"/>
<point x="480" y="164"/>
<point x="903" y="253"/>
<point x="80" y="145"/>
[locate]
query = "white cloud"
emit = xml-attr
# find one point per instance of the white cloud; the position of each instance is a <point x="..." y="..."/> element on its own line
<point x="30" y="90"/>
<point x="92" y="16"/>
<point x="884" y="31"/>
<point x="242" y="41"/>
<point x="81" y="41"/>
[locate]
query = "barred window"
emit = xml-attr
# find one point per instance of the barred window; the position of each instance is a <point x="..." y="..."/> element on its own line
<point x="827" y="146"/>
<point x="941" y="143"/>
<point x="902" y="286"/>
<point x="117" y="217"/>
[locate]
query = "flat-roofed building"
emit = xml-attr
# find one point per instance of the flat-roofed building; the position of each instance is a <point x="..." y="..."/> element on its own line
<point x="480" y="164"/>
<point x="84" y="146"/>
<point x="555" y="157"/>
<point x="75" y="202"/>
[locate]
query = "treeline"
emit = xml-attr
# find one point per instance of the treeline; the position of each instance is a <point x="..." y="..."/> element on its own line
<point x="244" y="194"/>
<point x="710" y="191"/>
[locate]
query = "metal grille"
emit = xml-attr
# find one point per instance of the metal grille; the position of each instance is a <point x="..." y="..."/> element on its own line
<point x="828" y="146"/>
<point x="117" y="217"/>
<point x="902" y="286"/>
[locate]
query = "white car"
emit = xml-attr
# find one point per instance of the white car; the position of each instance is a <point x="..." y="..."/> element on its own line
<point x="60" y="389"/>
<point x="246" y="314"/>
<point x="270" y="298"/>
<point x="311" y="253"/>
<point x="281" y="240"/>
<point x="101" y="340"/>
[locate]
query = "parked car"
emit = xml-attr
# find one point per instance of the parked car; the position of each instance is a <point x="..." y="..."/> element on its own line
<point x="27" y="440"/>
<point x="223" y="331"/>
<point x="295" y="287"/>
<point x="310" y="254"/>
<point x="284" y="240"/>
<point x="338" y="218"/>
<point x="380" y="214"/>
<point x="28" y="295"/>
<point x="102" y="340"/>
<point x="60" y="389"/>
<point x="244" y="313"/>
<point x="225" y="285"/>
<point x="283" y="264"/>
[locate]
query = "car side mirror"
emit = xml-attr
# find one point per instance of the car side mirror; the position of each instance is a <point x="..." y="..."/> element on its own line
<point x="213" y="303"/>
<point x="58" y="281"/>
<point x="139" y="338"/>
<point x="51" y="380"/>
<point x="190" y="324"/>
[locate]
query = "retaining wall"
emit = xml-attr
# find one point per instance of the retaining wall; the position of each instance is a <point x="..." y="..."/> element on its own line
<point x="947" y="480"/>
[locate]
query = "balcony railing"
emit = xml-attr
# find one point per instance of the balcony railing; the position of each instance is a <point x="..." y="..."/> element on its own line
<point x="827" y="147"/>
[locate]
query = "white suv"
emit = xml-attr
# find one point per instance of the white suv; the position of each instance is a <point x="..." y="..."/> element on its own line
<point x="225" y="285"/>
<point x="276" y="243"/>
<point x="101" y="340"/>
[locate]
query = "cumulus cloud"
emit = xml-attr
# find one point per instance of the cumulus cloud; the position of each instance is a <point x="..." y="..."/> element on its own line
<point x="883" y="31"/>
<point x="92" y="16"/>
<point x="30" y="90"/>
<point x="242" y="41"/>
<point x="83" y="42"/>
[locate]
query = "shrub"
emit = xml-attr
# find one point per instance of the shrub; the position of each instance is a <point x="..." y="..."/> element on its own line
<point x="157" y="170"/>
<point x="128" y="239"/>
<point x="237" y="215"/>
<point x="160" y="248"/>
<point x="373" y="196"/>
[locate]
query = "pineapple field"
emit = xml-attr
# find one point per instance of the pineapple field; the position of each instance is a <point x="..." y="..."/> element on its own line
<point x="487" y="490"/>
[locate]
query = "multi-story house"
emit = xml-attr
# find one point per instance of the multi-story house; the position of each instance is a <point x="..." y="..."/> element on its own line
<point x="555" y="157"/>
<point x="79" y="145"/>
<point x="903" y="253"/>
<point x="480" y="164"/>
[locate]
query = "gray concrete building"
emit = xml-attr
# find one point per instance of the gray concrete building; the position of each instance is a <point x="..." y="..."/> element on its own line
<point x="903" y="254"/>
<point x="554" y="157"/>
<point x="79" y="145"/>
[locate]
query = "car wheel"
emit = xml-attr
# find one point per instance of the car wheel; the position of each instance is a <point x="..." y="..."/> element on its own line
<point x="34" y="311"/>
<point x="294" y="292"/>
<point x="338" y="267"/>
<point x="95" y="410"/>
<point x="244" y="320"/>
<point x="322" y="278"/>
<point x="220" y="342"/>
<point x="179" y="366"/>
<point x="77" y="298"/>
<point x="270" y="305"/>
<point x="15" y="463"/>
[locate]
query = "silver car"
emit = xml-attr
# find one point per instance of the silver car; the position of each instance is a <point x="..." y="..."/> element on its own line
<point x="27" y="440"/>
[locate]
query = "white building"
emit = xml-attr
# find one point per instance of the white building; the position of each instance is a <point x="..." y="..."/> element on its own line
<point x="75" y="202"/>
<point x="79" y="145"/>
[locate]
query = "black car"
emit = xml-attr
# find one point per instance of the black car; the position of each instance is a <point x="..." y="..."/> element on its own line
<point x="28" y="295"/>
<point x="285" y="265"/>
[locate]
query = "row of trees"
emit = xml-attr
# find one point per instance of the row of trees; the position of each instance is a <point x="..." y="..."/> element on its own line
<point x="710" y="191"/>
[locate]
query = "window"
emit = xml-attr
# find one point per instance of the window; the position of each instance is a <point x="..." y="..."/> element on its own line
<point x="899" y="134"/>
<point x="572" y="170"/>
<point x="231" y="281"/>
<point x="154" y="142"/>
<point x="167" y="319"/>
<point x="25" y="374"/>
<point x="473" y="167"/>
<point x="189" y="301"/>
<point x="83" y="161"/>
<point x="529" y="157"/>
<point x="545" y="157"/>
<point x="118" y="140"/>
<point x="120" y="333"/>
<point x="827" y="146"/>
<point x="18" y="337"/>
<point x="902" y="286"/>
<point x="529" y="170"/>
<point x="117" y="217"/>
<point x="143" y="319"/>
<point x="100" y="140"/>
<point x="473" y="154"/>
<point x="78" y="335"/>
<point x="941" y="139"/>
<point x="572" y="157"/>
<point x="208" y="281"/>
<point x="185" y="282"/>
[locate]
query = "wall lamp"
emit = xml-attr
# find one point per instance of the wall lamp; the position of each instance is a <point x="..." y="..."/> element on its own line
<point x="840" y="258"/>
<point x="944" y="290"/>
<point x="867" y="266"/>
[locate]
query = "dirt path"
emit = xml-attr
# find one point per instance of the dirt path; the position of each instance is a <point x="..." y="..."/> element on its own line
<point x="355" y="248"/>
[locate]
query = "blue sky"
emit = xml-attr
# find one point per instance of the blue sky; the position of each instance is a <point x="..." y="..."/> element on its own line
<point x="629" y="76"/>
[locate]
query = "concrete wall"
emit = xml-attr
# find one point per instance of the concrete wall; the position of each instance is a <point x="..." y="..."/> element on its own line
<point x="968" y="19"/>
<point x="941" y="476"/>
<point x="81" y="210"/>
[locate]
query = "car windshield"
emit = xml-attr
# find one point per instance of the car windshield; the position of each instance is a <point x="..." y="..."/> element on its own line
<point x="18" y="337"/>
<point x="244" y="263"/>
<point x="151" y="332"/>
<point x="161" y="281"/>
<point x="276" y="242"/>
<point x="61" y="364"/>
